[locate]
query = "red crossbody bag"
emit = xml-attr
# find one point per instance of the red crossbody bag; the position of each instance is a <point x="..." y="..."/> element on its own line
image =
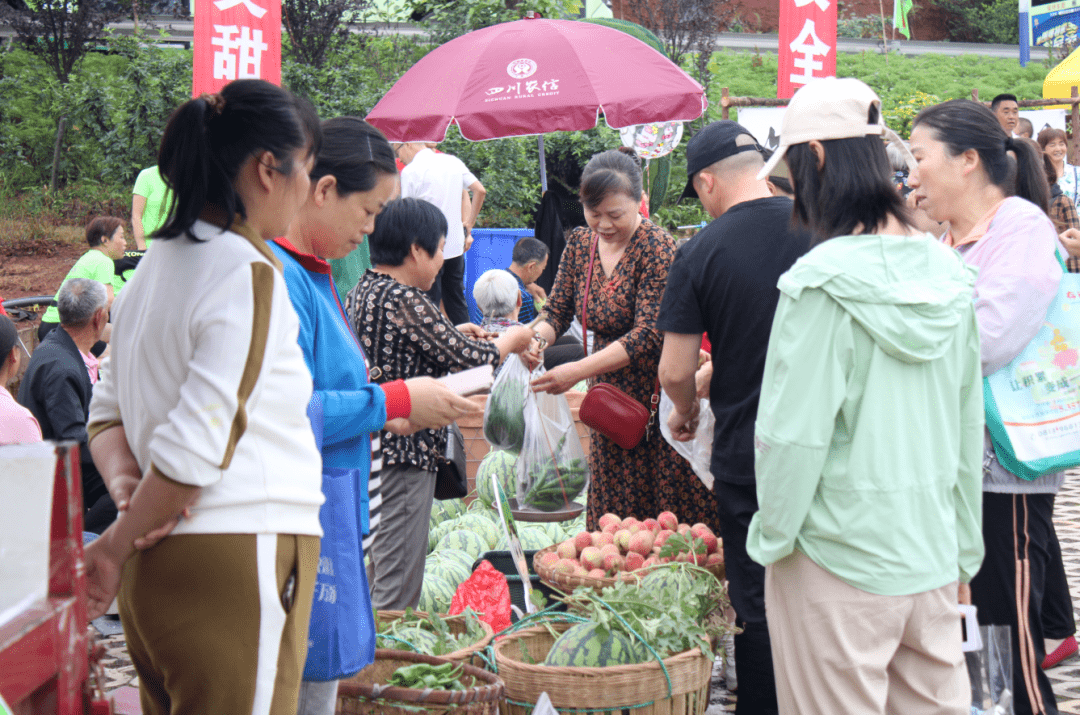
<point x="606" y="408"/>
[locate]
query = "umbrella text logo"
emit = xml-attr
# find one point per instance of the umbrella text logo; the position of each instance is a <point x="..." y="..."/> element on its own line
<point x="521" y="68"/>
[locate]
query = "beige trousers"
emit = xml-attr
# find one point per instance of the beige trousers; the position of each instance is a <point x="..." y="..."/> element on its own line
<point x="837" y="649"/>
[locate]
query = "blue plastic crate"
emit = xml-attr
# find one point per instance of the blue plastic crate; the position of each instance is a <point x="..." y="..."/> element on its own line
<point x="491" y="248"/>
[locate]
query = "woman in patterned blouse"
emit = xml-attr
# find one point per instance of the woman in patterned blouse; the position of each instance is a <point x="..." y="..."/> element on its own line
<point x="631" y="267"/>
<point x="405" y="335"/>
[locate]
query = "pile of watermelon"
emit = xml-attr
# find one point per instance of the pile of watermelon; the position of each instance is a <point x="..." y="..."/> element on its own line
<point x="628" y="545"/>
<point x="593" y="645"/>
<point x="459" y="533"/>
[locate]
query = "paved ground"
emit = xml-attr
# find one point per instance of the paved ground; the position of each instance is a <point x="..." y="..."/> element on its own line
<point x="122" y="682"/>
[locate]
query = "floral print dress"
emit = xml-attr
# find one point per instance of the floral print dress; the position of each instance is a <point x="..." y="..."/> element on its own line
<point x="623" y="307"/>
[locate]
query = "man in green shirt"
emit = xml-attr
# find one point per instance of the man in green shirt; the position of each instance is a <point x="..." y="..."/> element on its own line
<point x="105" y="236"/>
<point x="150" y="203"/>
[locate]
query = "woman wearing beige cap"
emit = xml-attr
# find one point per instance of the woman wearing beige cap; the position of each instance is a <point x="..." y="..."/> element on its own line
<point x="868" y="435"/>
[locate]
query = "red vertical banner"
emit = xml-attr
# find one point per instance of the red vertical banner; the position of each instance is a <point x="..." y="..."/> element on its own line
<point x="807" y="43"/>
<point x="235" y="39"/>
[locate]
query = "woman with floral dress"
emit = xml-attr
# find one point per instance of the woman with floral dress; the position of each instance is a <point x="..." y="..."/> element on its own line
<point x="628" y="278"/>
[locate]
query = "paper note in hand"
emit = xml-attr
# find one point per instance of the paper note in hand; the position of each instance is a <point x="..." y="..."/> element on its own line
<point x="470" y="382"/>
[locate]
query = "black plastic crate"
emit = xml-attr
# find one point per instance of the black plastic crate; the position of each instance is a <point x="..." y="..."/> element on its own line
<point x="504" y="563"/>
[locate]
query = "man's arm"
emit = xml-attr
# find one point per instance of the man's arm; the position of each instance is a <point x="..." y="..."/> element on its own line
<point x="138" y="205"/>
<point x="678" y="370"/>
<point x="479" y="193"/>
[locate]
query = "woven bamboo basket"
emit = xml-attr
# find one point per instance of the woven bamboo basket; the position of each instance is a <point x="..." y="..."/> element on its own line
<point x="567" y="583"/>
<point x="639" y="689"/>
<point x="469" y="656"/>
<point x="365" y="694"/>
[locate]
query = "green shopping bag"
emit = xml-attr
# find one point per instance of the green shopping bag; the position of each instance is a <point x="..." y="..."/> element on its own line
<point x="1033" y="403"/>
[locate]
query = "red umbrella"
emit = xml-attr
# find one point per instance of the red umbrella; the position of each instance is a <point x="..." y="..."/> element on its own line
<point x="535" y="76"/>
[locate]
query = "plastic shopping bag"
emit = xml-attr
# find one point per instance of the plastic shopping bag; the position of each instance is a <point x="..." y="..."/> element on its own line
<point x="988" y="652"/>
<point x="1033" y="403"/>
<point x="551" y="470"/>
<point x="504" y="414"/>
<point x="697" y="451"/>
<point x="486" y="592"/>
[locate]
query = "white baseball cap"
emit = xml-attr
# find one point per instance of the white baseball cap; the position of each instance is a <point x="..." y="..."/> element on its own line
<point x="829" y="108"/>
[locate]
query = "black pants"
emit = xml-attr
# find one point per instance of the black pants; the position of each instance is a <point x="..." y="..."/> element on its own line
<point x="1018" y="527"/>
<point x="449" y="287"/>
<point x="737" y="504"/>
<point x="565" y="349"/>
<point x="1058" y="620"/>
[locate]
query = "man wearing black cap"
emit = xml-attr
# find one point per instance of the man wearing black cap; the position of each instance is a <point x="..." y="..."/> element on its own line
<point x="723" y="283"/>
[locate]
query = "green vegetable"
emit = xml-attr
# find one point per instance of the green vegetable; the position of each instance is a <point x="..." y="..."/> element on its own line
<point x="425" y="675"/>
<point x="671" y="615"/>
<point x="504" y="415"/>
<point x="430" y="635"/>
<point x="553" y="482"/>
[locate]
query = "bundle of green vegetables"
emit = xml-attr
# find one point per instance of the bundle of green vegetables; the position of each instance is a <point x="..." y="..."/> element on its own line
<point x="425" y="675"/>
<point x="429" y="634"/>
<point x="551" y="470"/>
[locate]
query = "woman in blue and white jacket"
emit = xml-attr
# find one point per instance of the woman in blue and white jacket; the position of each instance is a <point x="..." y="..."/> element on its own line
<point x="353" y="177"/>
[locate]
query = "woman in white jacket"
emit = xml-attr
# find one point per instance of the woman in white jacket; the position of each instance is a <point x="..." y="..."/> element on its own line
<point x="202" y="412"/>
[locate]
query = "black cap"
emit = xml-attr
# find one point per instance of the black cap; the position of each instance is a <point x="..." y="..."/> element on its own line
<point x="715" y="142"/>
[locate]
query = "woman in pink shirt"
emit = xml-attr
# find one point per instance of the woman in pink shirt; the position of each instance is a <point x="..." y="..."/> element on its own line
<point x="16" y="422"/>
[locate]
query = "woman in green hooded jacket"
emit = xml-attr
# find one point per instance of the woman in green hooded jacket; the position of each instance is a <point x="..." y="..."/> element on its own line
<point x="869" y="434"/>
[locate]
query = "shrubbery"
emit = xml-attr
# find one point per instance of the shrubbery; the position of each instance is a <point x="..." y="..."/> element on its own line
<point x="118" y="104"/>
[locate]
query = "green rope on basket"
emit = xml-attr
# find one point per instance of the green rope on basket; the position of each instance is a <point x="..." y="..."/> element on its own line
<point x="395" y="638"/>
<point x="613" y="708"/>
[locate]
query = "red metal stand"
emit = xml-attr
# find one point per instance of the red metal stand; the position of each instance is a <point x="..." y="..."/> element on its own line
<point x="44" y="656"/>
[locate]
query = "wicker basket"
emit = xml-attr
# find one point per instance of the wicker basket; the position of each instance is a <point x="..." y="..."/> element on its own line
<point x="468" y="656"/>
<point x="364" y="692"/>
<point x="567" y="583"/>
<point x="639" y="689"/>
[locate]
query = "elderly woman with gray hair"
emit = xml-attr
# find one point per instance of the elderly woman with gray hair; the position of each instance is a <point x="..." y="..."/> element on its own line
<point x="497" y="296"/>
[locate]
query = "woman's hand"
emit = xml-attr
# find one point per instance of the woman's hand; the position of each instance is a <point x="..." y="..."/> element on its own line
<point x="684" y="427"/>
<point x="537" y="292"/>
<point x="703" y="380"/>
<point x="1070" y="238"/>
<point x="474" y="332"/>
<point x="514" y="340"/>
<point x="401" y="427"/>
<point x="964" y="594"/>
<point x="103" y="569"/>
<point x="435" y="405"/>
<point x="559" y="380"/>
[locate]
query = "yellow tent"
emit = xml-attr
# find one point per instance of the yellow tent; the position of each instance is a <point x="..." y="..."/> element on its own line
<point x="1060" y="80"/>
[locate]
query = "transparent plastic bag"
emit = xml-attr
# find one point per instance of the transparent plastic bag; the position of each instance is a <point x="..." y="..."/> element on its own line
<point x="697" y="451"/>
<point x="989" y="665"/>
<point x="504" y="414"/>
<point x="552" y="470"/>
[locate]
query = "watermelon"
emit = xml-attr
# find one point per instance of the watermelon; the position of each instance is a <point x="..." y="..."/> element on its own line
<point x="478" y="524"/>
<point x="555" y="532"/>
<point x="497" y="462"/>
<point x="435" y="595"/>
<point x="436" y="533"/>
<point x="664" y="577"/>
<point x="454" y="507"/>
<point x="468" y="541"/>
<point x="592" y="645"/>
<point x="447" y="567"/>
<point x="533" y="538"/>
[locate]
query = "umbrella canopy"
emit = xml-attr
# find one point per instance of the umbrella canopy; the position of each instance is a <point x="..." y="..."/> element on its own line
<point x="535" y="76"/>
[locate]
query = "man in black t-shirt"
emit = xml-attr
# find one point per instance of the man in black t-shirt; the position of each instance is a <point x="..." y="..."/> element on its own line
<point x="723" y="283"/>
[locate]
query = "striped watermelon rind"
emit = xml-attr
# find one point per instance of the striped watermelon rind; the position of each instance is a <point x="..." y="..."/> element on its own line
<point x="498" y="462"/>
<point x="468" y="541"/>
<point x="592" y="645"/>
<point x="435" y="594"/>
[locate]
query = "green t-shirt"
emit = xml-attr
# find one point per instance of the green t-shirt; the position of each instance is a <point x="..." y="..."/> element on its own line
<point x="150" y="185"/>
<point x="347" y="271"/>
<point x="94" y="265"/>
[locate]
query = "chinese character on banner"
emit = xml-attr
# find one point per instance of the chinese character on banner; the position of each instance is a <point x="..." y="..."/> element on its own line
<point x="807" y="43"/>
<point x="235" y="39"/>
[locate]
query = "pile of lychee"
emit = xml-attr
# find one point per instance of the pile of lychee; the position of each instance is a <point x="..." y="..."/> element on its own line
<point x="629" y="545"/>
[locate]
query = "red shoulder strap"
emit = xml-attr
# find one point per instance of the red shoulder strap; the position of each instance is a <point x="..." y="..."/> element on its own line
<point x="585" y="301"/>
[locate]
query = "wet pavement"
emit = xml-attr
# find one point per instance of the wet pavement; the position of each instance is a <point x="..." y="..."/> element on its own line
<point x="122" y="683"/>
